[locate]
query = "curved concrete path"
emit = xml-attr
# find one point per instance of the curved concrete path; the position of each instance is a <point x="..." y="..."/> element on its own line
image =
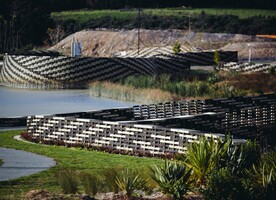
<point x="21" y="163"/>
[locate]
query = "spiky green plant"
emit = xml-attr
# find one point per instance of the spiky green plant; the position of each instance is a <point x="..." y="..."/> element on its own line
<point x="128" y="181"/>
<point x="173" y="179"/>
<point x="201" y="157"/>
<point x="261" y="183"/>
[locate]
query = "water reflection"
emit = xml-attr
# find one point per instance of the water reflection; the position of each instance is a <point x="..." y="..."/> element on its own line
<point x="22" y="102"/>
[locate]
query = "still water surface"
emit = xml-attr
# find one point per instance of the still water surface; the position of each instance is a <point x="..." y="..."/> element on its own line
<point x="23" y="102"/>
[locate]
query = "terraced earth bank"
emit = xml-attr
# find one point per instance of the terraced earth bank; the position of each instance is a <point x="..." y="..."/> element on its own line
<point x="106" y="43"/>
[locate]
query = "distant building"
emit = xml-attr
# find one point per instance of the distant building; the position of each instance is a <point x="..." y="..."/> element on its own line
<point x="76" y="49"/>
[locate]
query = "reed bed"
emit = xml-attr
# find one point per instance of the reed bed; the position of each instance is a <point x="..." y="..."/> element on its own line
<point x="154" y="89"/>
<point x="129" y="93"/>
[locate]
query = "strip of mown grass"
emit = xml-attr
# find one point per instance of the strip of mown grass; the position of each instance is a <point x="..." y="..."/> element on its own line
<point x="84" y="16"/>
<point x="80" y="160"/>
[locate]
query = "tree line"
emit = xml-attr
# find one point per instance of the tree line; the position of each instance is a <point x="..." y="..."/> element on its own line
<point x="201" y="23"/>
<point x="24" y="23"/>
<point x="121" y="4"/>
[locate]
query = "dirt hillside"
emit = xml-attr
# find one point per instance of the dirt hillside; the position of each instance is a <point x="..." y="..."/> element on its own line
<point x="108" y="43"/>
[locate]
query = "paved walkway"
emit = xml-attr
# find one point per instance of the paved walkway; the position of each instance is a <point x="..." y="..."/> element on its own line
<point x="2" y="129"/>
<point x="21" y="163"/>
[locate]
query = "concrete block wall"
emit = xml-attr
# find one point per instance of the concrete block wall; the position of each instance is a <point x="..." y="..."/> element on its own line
<point x="115" y="135"/>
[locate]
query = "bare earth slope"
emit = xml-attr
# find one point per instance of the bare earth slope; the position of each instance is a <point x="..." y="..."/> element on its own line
<point x="106" y="43"/>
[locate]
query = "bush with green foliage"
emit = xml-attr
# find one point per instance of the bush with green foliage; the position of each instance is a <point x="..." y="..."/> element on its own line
<point x="173" y="179"/>
<point x="222" y="185"/>
<point x="213" y="78"/>
<point x="261" y="178"/>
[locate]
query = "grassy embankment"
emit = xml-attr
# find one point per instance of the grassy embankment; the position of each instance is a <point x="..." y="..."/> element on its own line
<point x="1" y="162"/>
<point x="83" y="16"/>
<point x="79" y="160"/>
<point x="200" y="85"/>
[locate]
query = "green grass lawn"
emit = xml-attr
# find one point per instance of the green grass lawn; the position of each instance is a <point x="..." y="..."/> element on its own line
<point x="81" y="160"/>
<point x="84" y="16"/>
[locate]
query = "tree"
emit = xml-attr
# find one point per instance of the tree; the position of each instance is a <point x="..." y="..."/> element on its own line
<point x="217" y="58"/>
<point x="177" y="47"/>
<point x="55" y="35"/>
<point x="32" y="19"/>
<point x="22" y="23"/>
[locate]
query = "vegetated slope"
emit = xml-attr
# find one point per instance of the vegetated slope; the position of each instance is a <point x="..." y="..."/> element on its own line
<point x="105" y="43"/>
<point x="86" y="15"/>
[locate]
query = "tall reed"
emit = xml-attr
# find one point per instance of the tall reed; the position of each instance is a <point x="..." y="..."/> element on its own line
<point x="153" y="89"/>
<point x="128" y="93"/>
<point x="68" y="181"/>
<point x="91" y="184"/>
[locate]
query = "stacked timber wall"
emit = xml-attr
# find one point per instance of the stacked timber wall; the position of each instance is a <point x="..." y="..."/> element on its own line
<point x="203" y="58"/>
<point x="60" y="71"/>
<point x="68" y="71"/>
<point x="162" y="128"/>
<point x="114" y="135"/>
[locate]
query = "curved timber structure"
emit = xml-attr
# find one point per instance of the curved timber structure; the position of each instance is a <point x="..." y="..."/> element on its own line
<point x="61" y="70"/>
<point x="45" y="70"/>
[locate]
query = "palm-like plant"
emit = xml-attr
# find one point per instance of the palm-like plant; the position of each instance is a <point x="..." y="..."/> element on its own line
<point x="173" y="179"/>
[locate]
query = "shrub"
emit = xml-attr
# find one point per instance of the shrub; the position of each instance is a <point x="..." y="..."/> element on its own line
<point x="261" y="183"/>
<point x="271" y="70"/>
<point x="128" y="181"/>
<point x="238" y="158"/>
<point x="223" y="185"/>
<point x="201" y="158"/>
<point x="213" y="78"/>
<point x="68" y="181"/>
<point x="173" y="179"/>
